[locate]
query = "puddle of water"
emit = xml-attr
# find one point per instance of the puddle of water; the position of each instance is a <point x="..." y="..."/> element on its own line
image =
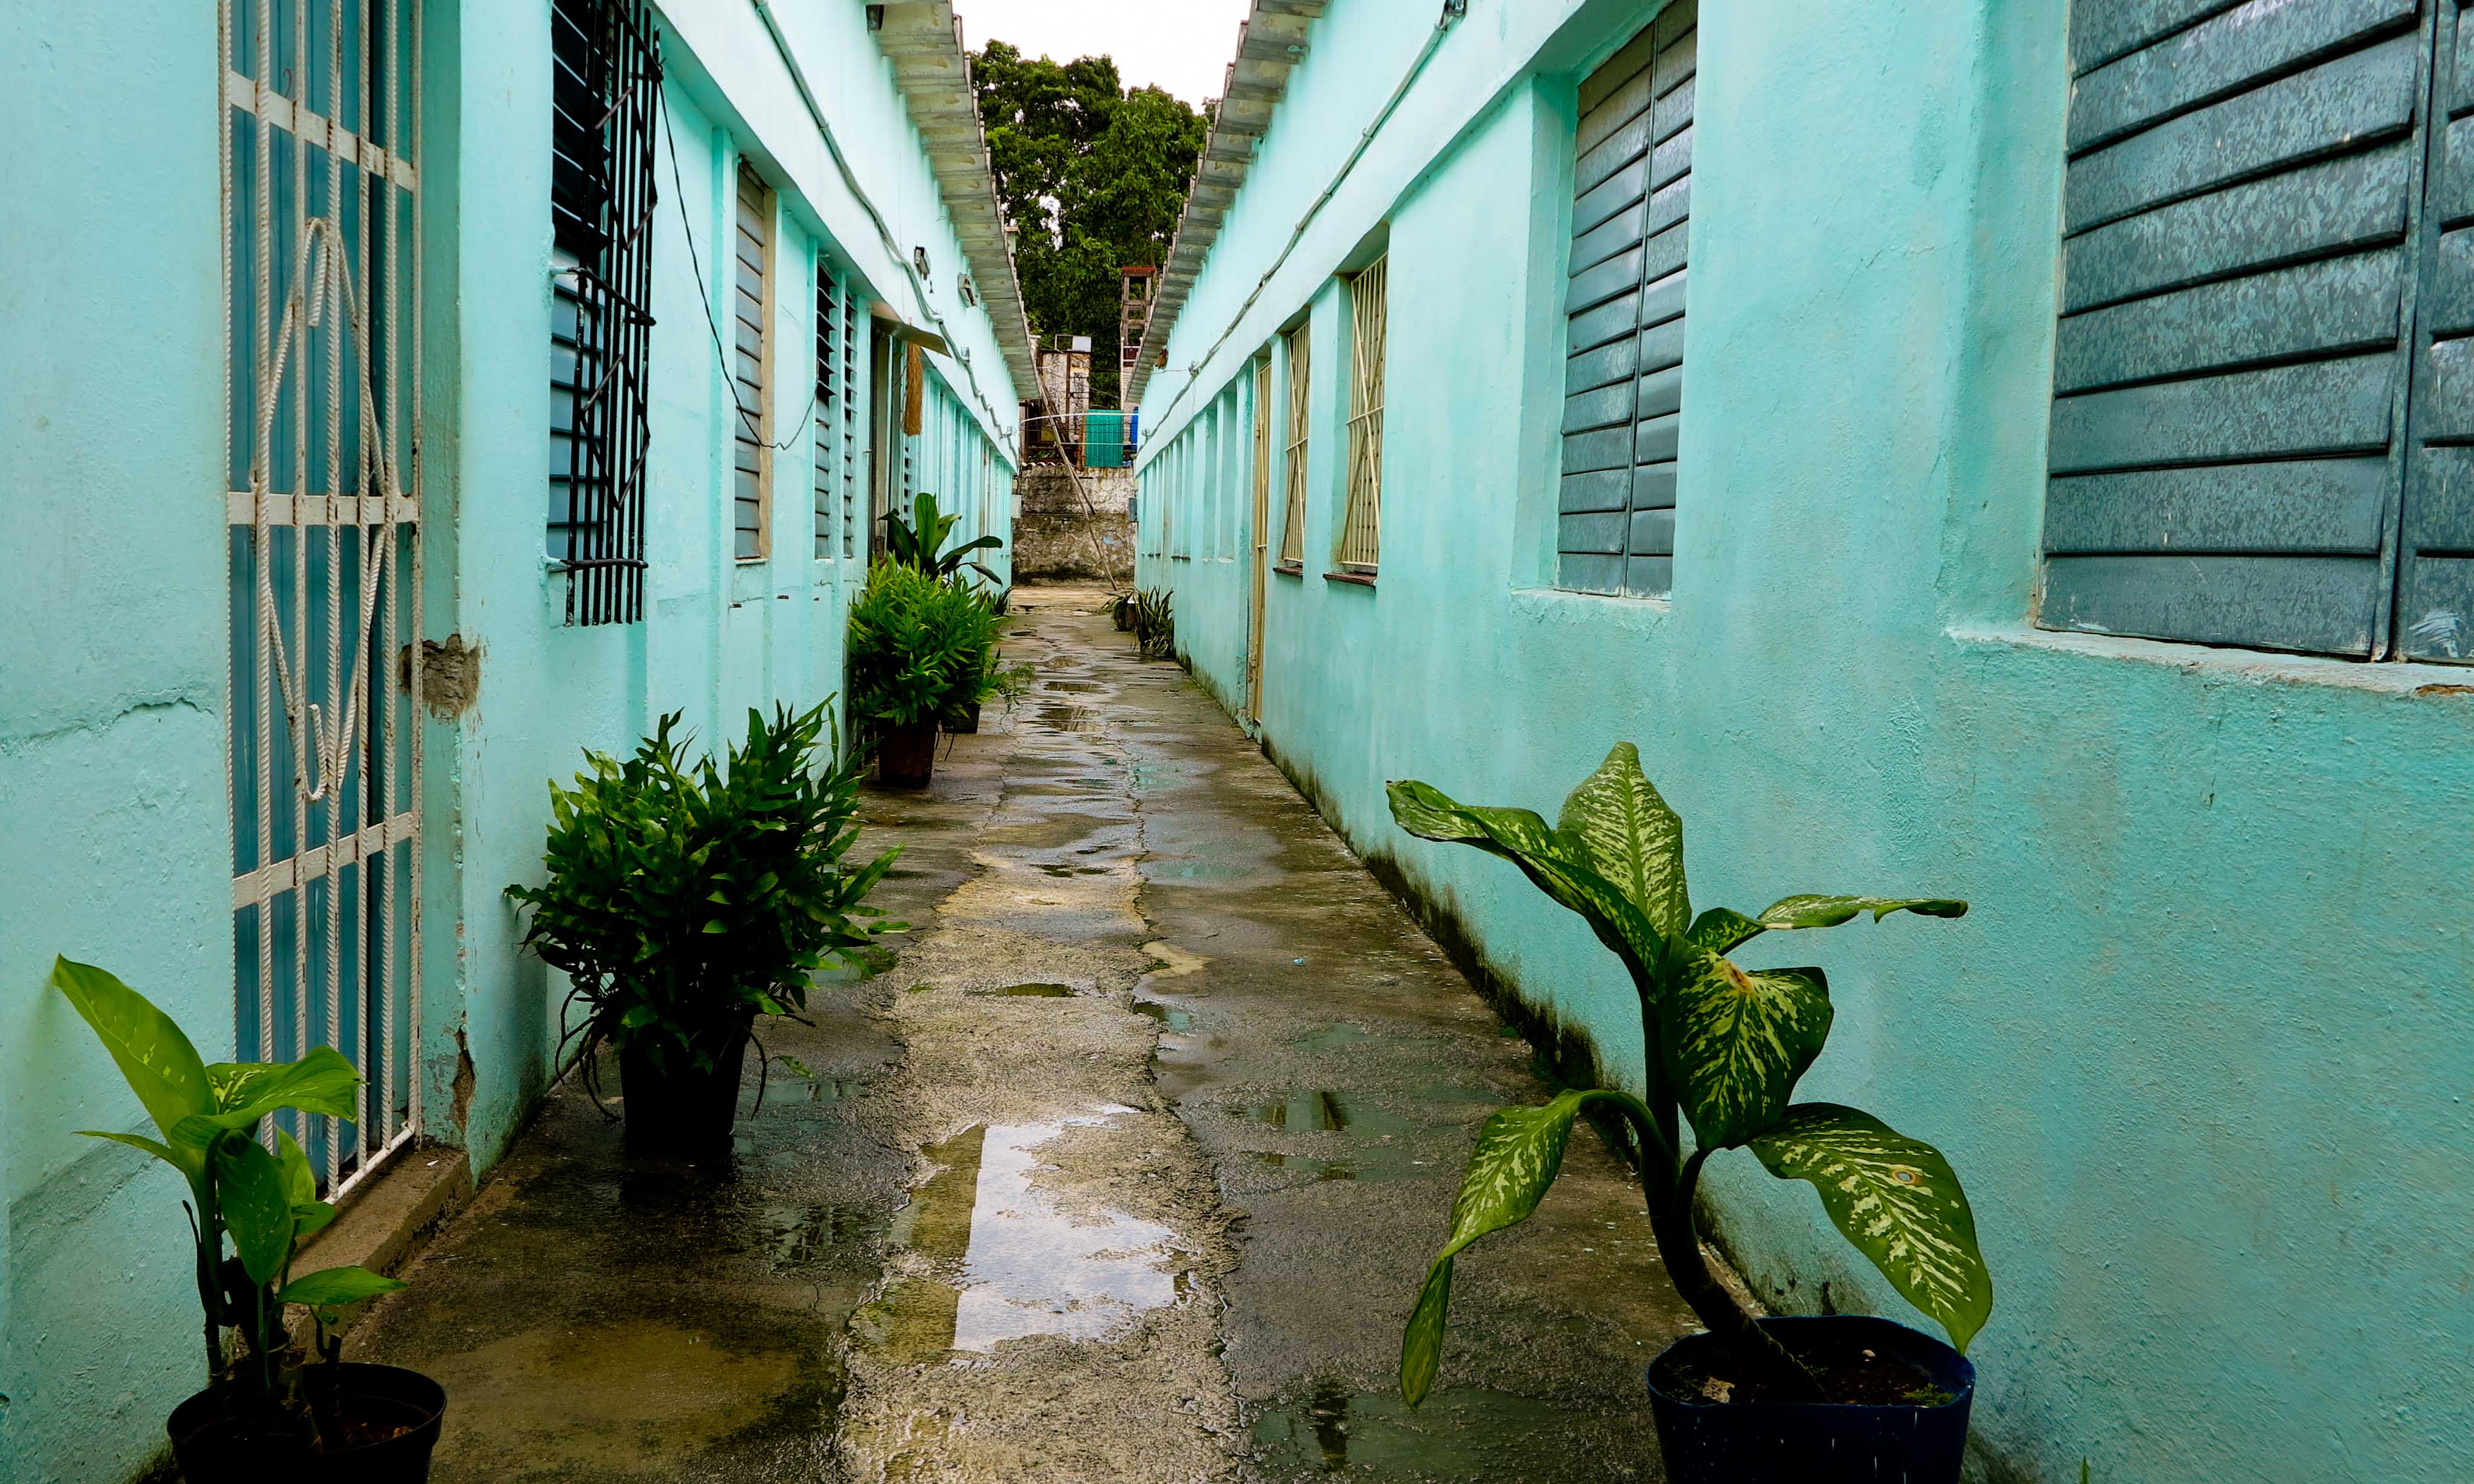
<point x="1462" y="1433"/>
<point x="1174" y="962"/>
<point x="1332" y="1036"/>
<point x="1030" y="992"/>
<point x="1076" y="688"/>
<point x="1312" y="1169"/>
<point x="1019" y="1264"/>
<point x="1321" y="1109"/>
<point x="1168" y="1015"/>
<point x="1067" y="718"/>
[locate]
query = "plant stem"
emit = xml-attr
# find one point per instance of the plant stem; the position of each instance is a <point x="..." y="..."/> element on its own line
<point x="1679" y="1247"/>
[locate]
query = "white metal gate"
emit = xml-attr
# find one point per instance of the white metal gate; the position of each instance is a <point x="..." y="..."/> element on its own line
<point x="322" y="280"/>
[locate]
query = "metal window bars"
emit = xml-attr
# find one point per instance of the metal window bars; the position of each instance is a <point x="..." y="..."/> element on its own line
<point x="606" y="88"/>
<point x="320" y="194"/>
<point x="1361" y="530"/>
<point x="1293" y="522"/>
<point x="829" y="386"/>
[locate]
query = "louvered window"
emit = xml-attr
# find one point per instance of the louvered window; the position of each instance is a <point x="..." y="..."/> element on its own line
<point x="2263" y="385"/>
<point x="606" y="83"/>
<point x="751" y="367"/>
<point x="836" y="417"/>
<point x="1632" y="198"/>
<point x="1293" y="466"/>
<point x="1362" y="526"/>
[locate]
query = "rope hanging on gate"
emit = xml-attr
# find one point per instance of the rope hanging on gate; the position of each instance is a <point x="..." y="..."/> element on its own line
<point x="324" y="266"/>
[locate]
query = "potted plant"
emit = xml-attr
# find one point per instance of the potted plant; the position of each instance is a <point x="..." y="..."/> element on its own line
<point x="267" y="1410"/>
<point x="997" y="681"/>
<point x="1752" y="1400"/>
<point x="919" y="543"/>
<point x="919" y="651"/>
<point x="683" y="900"/>
<point x="1154" y="623"/>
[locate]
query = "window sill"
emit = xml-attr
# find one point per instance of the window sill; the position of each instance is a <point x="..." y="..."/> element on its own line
<point x="2267" y="666"/>
<point x="1290" y="569"/>
<point x="1356" y="579"/>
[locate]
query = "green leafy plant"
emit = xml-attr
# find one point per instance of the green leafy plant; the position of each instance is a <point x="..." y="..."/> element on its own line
<point x="260" y="1201"/>
<point x="921" y="648"/>
<point x="919" y="542"/>
<point x="685" y="898"/>
<point x="1725" y="1047"/>
<point x="1154" y="623"/>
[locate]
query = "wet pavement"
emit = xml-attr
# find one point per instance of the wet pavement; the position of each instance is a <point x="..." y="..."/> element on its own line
<point x="1129" y="1168"/>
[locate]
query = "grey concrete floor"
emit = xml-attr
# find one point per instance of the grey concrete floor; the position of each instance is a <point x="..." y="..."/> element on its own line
<point x="1129" y="1169"/>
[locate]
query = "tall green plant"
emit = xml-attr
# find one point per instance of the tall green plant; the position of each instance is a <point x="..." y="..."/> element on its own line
<point x="260" y="1201"/>
<point x="921" y="648"/>
<point x="919" y="542"/>
<point x="1725" y="1047"/>
<point x="683" y="899"/>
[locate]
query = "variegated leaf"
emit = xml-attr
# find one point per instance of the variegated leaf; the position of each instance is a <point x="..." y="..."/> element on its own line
<point x="1517" y="1155"/>
<point x="1549" y="860"/>
<point x="1810" y="911"/>
<point x="1736" y="1040"/>
<point x="1896" y="1199"/>
<point x="1722" y="930"/>
<point x="1627" y="835"/>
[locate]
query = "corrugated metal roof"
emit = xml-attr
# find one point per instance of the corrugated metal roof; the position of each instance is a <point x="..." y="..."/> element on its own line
<point x="1272" y="42"/>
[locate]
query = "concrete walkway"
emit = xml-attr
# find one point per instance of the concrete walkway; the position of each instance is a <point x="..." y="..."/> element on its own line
<point x="1127" y="1171"/>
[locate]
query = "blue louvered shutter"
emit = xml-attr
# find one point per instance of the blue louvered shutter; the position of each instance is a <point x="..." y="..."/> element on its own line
<point x="2239" y="215"/>
<point x="1632" y="195"/>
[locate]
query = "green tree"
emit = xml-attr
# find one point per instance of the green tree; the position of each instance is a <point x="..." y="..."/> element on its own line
<point x="1094" y="176"/>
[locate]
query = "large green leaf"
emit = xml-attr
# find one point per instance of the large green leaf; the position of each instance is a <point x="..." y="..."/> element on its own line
<point x="332" y="1288"/>
<point x="1721" y="929"/>
<point x="1627" y="835"/>
<point x="1735" y="1041"/>
<point x="1896" y="1199"/>
<point x="154" y="1058"/>
<point x="1553" y="863"/>
<point x="256" y="1209"/>
<point x="1517" y="1155"/>
<point x="320" y="1083"/>
<point x="301" y="1188"/>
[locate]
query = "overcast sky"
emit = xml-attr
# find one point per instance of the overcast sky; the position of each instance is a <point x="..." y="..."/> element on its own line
<point x="1181" y="45"/>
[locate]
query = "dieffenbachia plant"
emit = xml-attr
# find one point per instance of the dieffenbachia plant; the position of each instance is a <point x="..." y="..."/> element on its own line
<point x="1725" y="1046"/>
<point x="264" y="1200"/>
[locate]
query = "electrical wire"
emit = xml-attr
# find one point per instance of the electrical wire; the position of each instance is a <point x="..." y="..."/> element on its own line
<point x="704" y="297"/>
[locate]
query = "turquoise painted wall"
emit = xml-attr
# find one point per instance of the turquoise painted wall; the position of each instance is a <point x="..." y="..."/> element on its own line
<point x="2200" y="1051"/>
<point x="115" y="828"/>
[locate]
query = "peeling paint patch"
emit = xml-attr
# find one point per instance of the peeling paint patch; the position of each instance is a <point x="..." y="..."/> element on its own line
<point x="450" y="675"/>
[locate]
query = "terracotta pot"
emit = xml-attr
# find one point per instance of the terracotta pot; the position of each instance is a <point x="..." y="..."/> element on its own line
<point x="906" y="757"/>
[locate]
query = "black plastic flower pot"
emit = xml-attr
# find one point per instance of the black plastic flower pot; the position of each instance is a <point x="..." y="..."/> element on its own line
<point x="1711" y="1442"/>
<point x="388" y="1417"/>
<point x="964" y="721"/>
<point x="906" y="757"/>
<point x="680" y="1108"/>
<point x="1124" y="616"/>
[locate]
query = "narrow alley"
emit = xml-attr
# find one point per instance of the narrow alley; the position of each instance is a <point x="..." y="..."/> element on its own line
<point x="1128" y="1168"/>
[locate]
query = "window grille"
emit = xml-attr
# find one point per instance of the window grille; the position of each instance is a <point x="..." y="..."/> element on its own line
<point x="1362" y="527"/>
<point x="831" y="381"/>
<point x="1293" y="524"/>
<point x="752" y="368"/>
<point x="321" y="188"/>
<point x="1623" y="303"/>
<point x="606" y="83"/>
<point x="852" y="342"/>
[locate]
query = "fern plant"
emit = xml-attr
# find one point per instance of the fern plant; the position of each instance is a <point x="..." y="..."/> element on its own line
<point x="1725" y="1046"/>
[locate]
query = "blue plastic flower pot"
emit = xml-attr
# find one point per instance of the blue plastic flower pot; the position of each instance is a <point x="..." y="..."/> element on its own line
<point x="1708" y="1442"/>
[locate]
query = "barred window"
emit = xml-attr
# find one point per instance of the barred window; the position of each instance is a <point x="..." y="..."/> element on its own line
<point x="1361" y="530"/>
<point x="1293" y="524"/>
<point x="752" y="367"/>
<point x="606" y="85"/>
